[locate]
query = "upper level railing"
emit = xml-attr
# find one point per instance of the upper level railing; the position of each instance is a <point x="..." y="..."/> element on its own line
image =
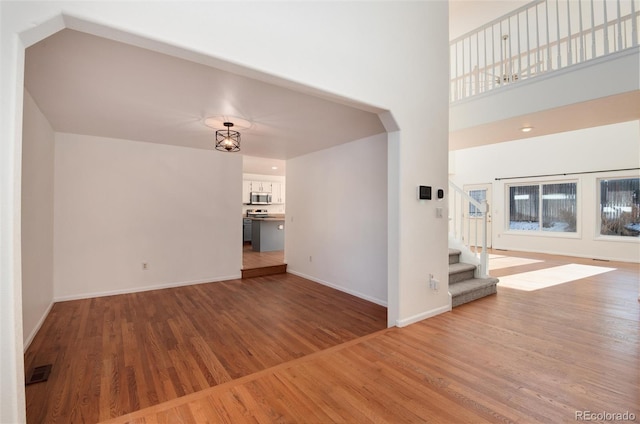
<point x="542" y="36"/>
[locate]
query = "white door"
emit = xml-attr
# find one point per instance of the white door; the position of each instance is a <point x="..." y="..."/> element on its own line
<point x="473" y="218"/>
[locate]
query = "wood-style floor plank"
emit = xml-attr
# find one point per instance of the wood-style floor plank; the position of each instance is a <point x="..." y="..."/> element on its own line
<point x="118" y="354"/>
<point x="517" y="357"/>
<point x="252" y="260"/>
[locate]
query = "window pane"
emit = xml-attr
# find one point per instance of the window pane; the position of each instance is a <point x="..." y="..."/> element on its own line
<point x="524" y="203"/>
<point x="620" y="207"/>
<point x="559" y="207"/>
<point x="478" y="195"/>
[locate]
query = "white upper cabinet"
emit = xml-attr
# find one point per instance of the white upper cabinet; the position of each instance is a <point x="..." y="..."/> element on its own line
<point x="246" y="192"/>
<point x="277" y="193"/>
<point x="261" y="186"/>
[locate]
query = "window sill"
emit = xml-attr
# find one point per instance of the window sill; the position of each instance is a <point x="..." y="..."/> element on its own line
<point x="550" y="234"/>
<point x="621" y="239"/>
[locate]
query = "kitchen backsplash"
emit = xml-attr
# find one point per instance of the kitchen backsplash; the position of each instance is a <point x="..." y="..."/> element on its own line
<point x="270" y="208"/>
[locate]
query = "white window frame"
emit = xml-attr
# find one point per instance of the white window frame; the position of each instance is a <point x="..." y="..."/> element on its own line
<point x="598" y="220"/>
<point x="540" y="232"/>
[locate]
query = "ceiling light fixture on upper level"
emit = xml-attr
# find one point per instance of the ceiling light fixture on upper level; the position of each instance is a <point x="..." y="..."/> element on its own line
<point x="228" y="141"/>
<point x="526" y="129"/>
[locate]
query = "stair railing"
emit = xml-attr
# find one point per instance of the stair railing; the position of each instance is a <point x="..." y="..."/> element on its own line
<point x="460" y="225"/>
<point x="540" y="37"/>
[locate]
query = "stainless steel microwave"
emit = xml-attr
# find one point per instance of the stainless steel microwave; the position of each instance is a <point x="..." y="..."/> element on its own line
<point x="260" y="198"/>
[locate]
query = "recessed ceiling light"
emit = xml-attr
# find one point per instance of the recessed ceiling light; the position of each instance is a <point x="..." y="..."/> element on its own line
<point x="274" y="167"/>
<point x="526" y="129"/>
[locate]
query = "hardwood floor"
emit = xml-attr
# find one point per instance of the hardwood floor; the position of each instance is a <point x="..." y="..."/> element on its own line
<point x="541" y="356"/>
<point x="251" y="259"/>
<point x="212" y="353"/>
<point x="118" y="354"/>
<point x="258" y="264"/>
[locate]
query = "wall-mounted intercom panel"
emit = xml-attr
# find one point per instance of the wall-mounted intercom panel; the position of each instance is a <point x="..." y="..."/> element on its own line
<point x="424" y="192"/>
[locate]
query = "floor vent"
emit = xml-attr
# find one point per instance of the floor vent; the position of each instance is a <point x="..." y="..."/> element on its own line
<point x="39" y="374"/>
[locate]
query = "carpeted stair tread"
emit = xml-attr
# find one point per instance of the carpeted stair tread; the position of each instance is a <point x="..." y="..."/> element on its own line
<point x="460" y="267"/>
<point x="472" y="284"/>
<point x="470" y="290"/>
<point x="460" y="272"/>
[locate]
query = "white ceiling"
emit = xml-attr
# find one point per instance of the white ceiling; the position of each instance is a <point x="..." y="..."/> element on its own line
<point x="90" y="85"/>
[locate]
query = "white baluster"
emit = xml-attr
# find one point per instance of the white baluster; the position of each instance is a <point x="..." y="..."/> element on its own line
<point x="634" y="24"/>
<point x="593" y="32"/>
<point x="619" y="27"/>
<point x="558" y="33"/>
<point x="606" y="28"/>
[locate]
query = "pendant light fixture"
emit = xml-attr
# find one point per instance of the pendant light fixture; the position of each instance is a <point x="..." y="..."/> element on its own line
<point x="229" y="140"/>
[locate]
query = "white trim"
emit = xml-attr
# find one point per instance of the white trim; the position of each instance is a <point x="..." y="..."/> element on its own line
<point x="542" y="233"/>
<point x="35" y="330"/>
<point x="340" y="288"/>
<point x="424" y="315"/>
<point x="575" y="255"/>
<point x="617" y="239"/>
<point x="146" y="288"/>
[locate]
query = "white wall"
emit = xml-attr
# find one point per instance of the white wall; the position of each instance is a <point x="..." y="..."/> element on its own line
<point x="603" y="148"/>
<point x="37" y="218"/>
<point x="336" y="223"/>
<point x="350" y="50"/>
<point x="579" y="83"/>
<point x="120" y="203"/>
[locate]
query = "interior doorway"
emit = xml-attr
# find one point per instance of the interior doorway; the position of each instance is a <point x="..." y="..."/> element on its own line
<point x="263" y="201"/>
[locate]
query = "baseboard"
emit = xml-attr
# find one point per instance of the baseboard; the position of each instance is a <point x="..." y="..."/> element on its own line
<point x="423" y="315"/>
<point x="570" y="254"/>
<point x="145" y="288"/>
<point x="35" y="330"/>
<point x="340" y="288"/>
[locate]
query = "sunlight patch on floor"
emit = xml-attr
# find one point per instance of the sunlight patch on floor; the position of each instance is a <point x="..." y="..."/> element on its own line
<point x="499" y="261"/>
<point x="542" y="278"/>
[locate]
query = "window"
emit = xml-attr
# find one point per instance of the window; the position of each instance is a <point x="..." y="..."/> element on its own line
<point x="620" y="207"/>
<point x="543" y="207"/>
<point x="480" y="196"/>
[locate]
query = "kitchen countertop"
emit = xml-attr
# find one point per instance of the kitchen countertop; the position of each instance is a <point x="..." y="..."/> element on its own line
<point x="269" y="217"/>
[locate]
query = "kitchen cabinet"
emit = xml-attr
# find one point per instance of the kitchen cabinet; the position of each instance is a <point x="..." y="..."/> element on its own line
<point x="261" y="186"/>
<point x="246" y="192"/>
<point x="277" y="193"/>
<point x="246" y="229"/>
<point x="275" y="188"/>
<point x="267" y="234"/>
<point x="254" y="186"/>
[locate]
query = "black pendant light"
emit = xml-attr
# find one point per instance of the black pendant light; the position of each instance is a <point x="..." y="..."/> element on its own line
<point x="229" y="140"/>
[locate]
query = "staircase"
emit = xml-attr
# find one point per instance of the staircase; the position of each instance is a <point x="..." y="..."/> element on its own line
<point x="463" y="285"/>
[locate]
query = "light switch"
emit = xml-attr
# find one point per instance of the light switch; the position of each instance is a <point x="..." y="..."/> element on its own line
<point x="438" y="212"/>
